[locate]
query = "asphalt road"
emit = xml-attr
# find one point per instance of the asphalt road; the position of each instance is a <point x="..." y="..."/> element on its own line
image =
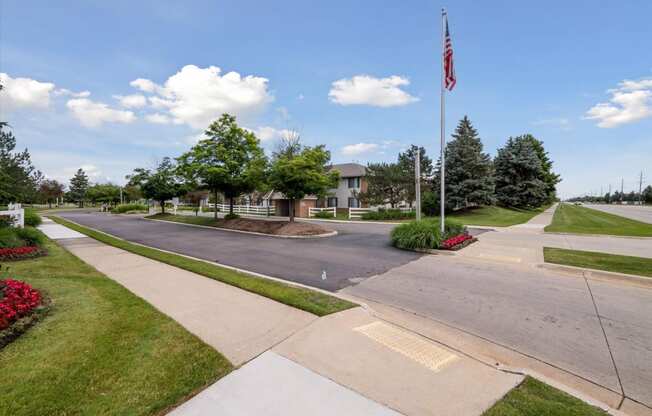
<point x="358" y="251"/>
<point x="542" y="314"/>
<point x="634" y="212"/>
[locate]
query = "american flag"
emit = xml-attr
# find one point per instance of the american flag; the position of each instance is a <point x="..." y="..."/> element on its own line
<point x="449" y="69"/>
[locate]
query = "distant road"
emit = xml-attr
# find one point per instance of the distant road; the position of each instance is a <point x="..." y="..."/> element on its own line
<point x="635" y="212"/>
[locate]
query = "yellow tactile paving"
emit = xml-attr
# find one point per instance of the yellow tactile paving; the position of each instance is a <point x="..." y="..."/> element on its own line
<point x="414" y="347"/>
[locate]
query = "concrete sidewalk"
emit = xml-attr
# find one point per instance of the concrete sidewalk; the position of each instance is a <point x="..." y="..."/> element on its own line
<point x="524" y="243"/>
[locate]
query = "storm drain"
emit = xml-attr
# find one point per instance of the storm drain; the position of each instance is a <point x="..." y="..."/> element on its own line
<point x="413" y="347"/>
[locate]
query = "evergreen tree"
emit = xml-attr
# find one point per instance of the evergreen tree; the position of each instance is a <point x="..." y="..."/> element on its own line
<point x="406" y="163"/>
<point x="78" y="187"/>
<point x="385" y="185"/>
<point x="647" y="194"/>
<point x="19" y="180"/>
<point x="469" y="171"/>
<point x="550" y="178"/>
<point x="519" y="174"/>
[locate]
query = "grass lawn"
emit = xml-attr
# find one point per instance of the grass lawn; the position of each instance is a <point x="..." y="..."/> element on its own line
<point x="496" y="216"/>
<point x="100" y="350"/>
<point x="580" y="220"/>
<point x="308" y="300"/>
<point x="601" y="261"/>
<point x="534" y="398"/>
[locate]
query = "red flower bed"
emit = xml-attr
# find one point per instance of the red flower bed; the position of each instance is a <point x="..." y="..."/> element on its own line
<point x="457" y="242"/>
<point x="17" y="253"/>
<point x="17" y="299"/>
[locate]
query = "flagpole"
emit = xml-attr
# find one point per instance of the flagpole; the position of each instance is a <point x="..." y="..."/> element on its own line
<point x="442" y="108"/>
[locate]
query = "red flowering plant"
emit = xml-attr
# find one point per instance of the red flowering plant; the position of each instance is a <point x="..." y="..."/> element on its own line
<point x="19" y="253"/>
<point x="457" y="242"/>
<point x="19" y="304"/>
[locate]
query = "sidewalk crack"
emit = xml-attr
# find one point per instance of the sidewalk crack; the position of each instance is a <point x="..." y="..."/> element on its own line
<point x="606" y="340"/>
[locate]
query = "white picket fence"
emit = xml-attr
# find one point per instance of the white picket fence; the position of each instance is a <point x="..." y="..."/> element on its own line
<point x="313" y="211"/>
<point x="16" y="213"/>
<point x="245" y="209"/>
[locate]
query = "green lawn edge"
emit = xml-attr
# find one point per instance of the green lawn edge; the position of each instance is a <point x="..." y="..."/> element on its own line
<point x="576" y="219"/>
<point x="311" y="301"/>
<point x="533" y="397"/>
<point x="639" y="266"/>
<point x="100" y="349"/>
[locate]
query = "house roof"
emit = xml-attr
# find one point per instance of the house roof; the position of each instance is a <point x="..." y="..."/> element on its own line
<point x="350" y="170"/>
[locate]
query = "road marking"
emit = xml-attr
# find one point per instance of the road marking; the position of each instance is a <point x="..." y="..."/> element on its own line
<point x="414" y="347"/>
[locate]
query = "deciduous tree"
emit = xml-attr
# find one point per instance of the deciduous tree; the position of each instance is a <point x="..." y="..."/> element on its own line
<point x="230" y="160"/>
<point x="51" y="190"/>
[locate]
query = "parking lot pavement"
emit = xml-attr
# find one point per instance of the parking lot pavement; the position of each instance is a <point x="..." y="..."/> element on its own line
<point x="355" y="253"/>
<point x="634" y="212"/>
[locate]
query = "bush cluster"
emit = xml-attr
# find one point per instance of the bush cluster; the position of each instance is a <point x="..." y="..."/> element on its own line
<point x="231" y="216"/>
<point x="121" y="209"/>
<point x="424" y="234"/>
<point x="324" y="214"/>
<point x="388" y="214"/>
<point x="19" y="237"/>
<point x="32" y="219"/>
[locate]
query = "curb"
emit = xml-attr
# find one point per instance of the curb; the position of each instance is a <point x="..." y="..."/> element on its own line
<point x="305" y="237"/>
<point x="597" y="274"/>
<point x="435" y="251"/>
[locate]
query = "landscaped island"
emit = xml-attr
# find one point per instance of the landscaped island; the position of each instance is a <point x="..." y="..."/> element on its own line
<point x="271" y="227"/>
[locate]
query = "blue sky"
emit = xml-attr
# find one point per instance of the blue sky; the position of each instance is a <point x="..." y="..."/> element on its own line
<point x="361" y="77"/>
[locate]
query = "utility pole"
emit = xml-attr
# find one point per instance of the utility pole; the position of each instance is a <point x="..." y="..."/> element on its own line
<point x="640" y="189"/>
<point x="417" y="182"/>
<point x="622" y="187"/>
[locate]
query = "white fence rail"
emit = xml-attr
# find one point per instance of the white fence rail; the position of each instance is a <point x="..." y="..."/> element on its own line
<point x="357" y="213"/>
<point x="245" y="209"/>
<point x="313" y="211"/>
<point x="17" y="215"/>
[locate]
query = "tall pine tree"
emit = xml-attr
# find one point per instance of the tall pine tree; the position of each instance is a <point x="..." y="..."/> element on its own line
<point x="550" y="178"/>
<point x="78" y="187"/>
<point x="519" y="174"/>
<point x="469" y="171"/>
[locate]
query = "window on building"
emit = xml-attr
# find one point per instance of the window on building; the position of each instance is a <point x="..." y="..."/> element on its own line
<point x="331" y="202"/>
<point x="354" y="182"/>
<point x="354" y="203"/>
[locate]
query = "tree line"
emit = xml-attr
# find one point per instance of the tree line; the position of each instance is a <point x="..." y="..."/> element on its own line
<point x="520" y="176"/>
<point x="617" y="197"/>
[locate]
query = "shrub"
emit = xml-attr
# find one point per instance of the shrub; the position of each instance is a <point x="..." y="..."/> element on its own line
<point x="19" y="237"/>
<point x="20" y="307"/>
<point x="32" y="219"/>
<point x="20" y="253"/>
<point x="423" y="234"/>
<point x="231" y="216"/>
<point x="30" y="236"/>
<point x="324" y="214"/>
<point x="121" y="209"/>
<point x="388" y="214"/>
<point x="430" y="204"/>
<point x="6" y="221"/>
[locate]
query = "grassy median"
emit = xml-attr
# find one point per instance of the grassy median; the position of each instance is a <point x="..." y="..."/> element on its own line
<point x="580" y="220"/>
<point x="534" y="398"/>
<point x="308" y="300"/>
<point x="100" y="349"/>
<point x="600" y="261"/>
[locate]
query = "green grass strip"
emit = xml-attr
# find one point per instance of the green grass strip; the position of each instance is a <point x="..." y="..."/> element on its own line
<point x="101" y="350"/>
<point x="495" y="216"/>
<point x="600" y="261"/>
<point x="581" y="220"/>
<point x="534" y="398"/>
<point x="308" y="300"/>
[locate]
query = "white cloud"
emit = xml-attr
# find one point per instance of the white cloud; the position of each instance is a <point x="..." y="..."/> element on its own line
<point x="267" y="133"/>
<point x="359" y="148"/>
<point x="24" y="93"/>
<point x="132" y="101"/>
<point x="145" y="85"/>
<point x="67" y="92"/>
<point x="158" y="118"/>
<point x="367" y="90"/>
<point x="93" y="114"/>
<point x="630" y="102"/>
<point x="197" y="96"/>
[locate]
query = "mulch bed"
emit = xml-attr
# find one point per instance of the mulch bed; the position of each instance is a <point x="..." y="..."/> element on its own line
<point x="272" y="227"/>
